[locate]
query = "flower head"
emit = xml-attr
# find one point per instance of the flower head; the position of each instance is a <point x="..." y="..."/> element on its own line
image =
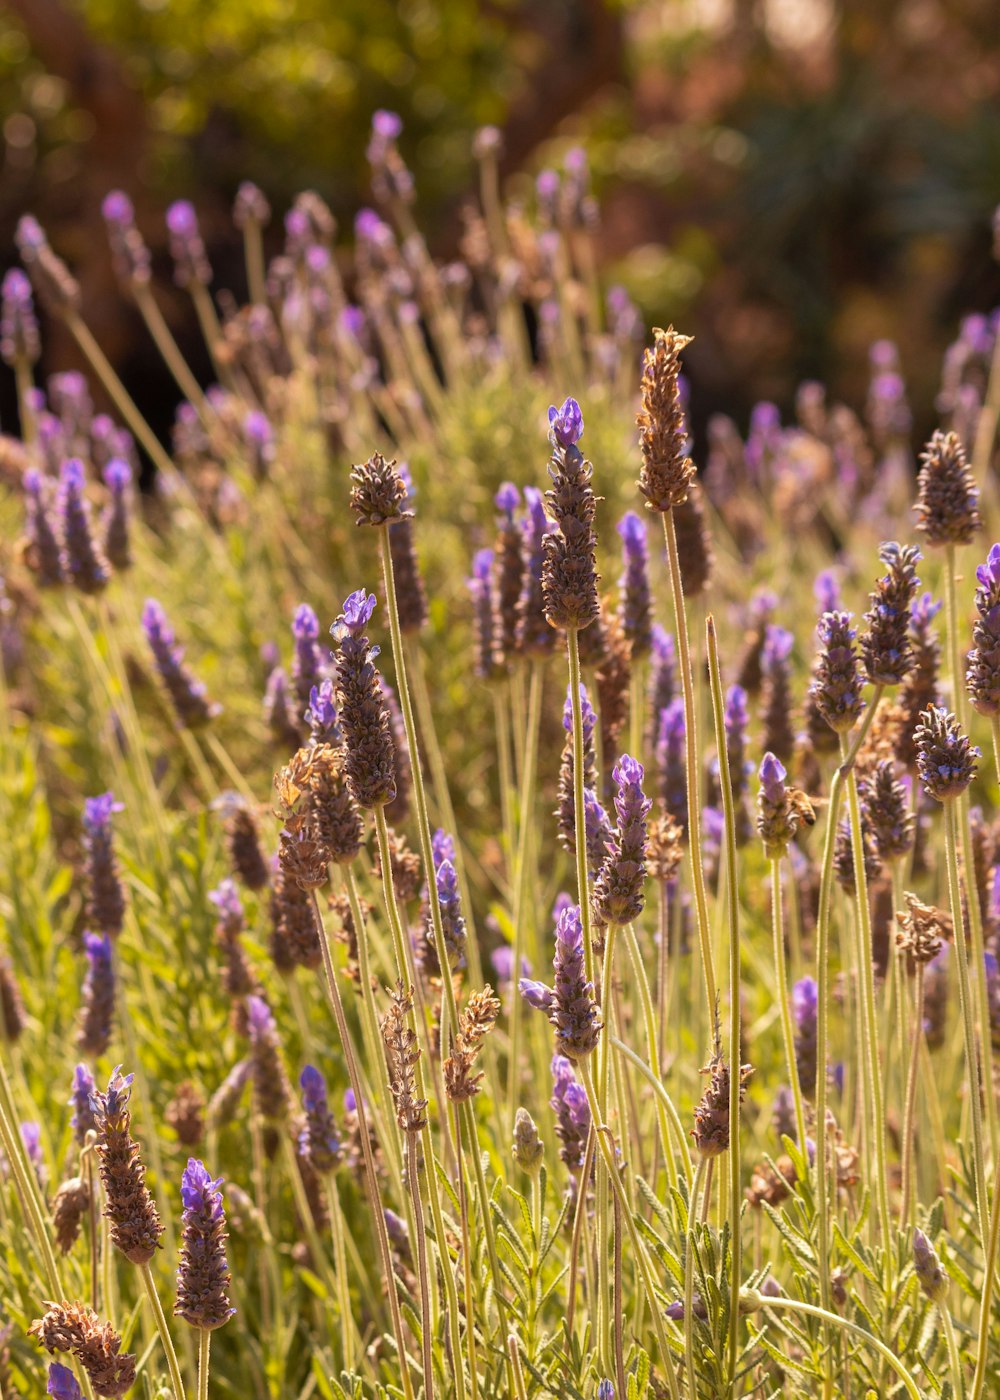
<point x="566" y="424"/>
<point x="203" y="1276"/>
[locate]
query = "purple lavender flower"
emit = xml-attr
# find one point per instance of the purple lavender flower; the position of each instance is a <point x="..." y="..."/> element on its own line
<point x="927" y="1266"/>
<point x="946" y="761"/>
<point x="635" y="608"/>
<point x="203" y="1276"/>
<point x="481" y="590"/>
<point x="826" y="591"/>
<point x="569" y="1103"/>
<point x="31" y="1137"/>
<point x="105" y="895"/>
<point x="776" y="704"/>
<point x="662" y="674"/>
<point x="187" y="249"/>
<point x="98" y="996"/>
<point x="449" y="899"/>
<point x="187" y="694"/>
<point x="534" y="635"/>
<point x="804" y="1014"/>
<point x="606" y="1390"/>
<point x="250" y="206"/>
<point x="736" y="721"/>
<point x="570" y="1006"/>
<point x="763" y="438"/>
<point x="47" y="556"/>
<point x="777" y="818"/>
<point x="129" y="254"/>
<point x="117" y="531"/>
<point x="19" y="340"/>
<point x="318" y="1140"/>
<point x="226" y="898"/>
<point x="982" y="677"/>
<point x="618" y="891"/>
<point x="279" y="709"/>
<point x="566" y="424"/>
<point x="836" y="684"/>
<point x="84" y="564"/>
<point x="670" y="762"/>
<point x="307" y="660"/>
<point x="83" y="1120"/>
<point x="258" y="438"/>
<point x="62" y="1384"/>
<point x="370" y="762"/>
<point x="321" y="716"/>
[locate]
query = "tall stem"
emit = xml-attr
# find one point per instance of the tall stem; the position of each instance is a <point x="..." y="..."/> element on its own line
<point x="906" y="1206"/>
<point x="146" y="1274"/>
<point x="869" y="1020"/>
<point x="984" y="1352"/>
<point x="784" y="1001"/>
<point x="735" y="1046"/>
<point x="830" y="1319"/>
<point x="449" y="1013"/>
<point x="170" y="350"/>
<point x="204" y="1346"/>
<point x="691" y="762"/>
<point x="413" y="1181"/>
<point x="965" y="1006"/>
<point x="374" y="1195"/>
<point x="696" y="1191"/>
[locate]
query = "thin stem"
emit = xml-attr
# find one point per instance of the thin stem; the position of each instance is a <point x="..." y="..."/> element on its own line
<point x="906" y="1211"/>
<point x="833" y="1319"/>
<point x="413" y="1181"/>
<point x="579" y="1224"/>
<point x="784" y="1001"/>
<point x="449" y="1013"/>
<point x="146" y="1274"/>
<point x="692" y="762"/>
<point x="169" y="349"/>
<point x="979" y="976"/>
<point x="580" y="820"/>
<point x="984" y="1352"/>
<point x="954" y="1360"/>
<point x="603" y="1134"/>
<point x="660" y="1093"/>
<point x="617" y="1322"/>
<point x="204" y="1346"/>
<point x="869" y="1020"/>
<point x="93" y="1223"/>
<point x="521" y="884"/>
<point x="486" y="1215"/>
<point x="822" y="1034"/>
<point x="696" y="1189"/>
<point x="965" y="1005"/>
<point x="374" y="1195"/>
<point x="253" y="251"/>
<point x="652" y="1050"/>
<point x="26" y="1183"/>
<point x="735" y="1046"/>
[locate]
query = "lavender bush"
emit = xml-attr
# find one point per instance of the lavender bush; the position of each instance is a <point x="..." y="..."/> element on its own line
<point x="752" y="1144"/>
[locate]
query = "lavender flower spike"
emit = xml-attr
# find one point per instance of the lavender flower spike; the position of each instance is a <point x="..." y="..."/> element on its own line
<point x="570" y="1005"/>
<point x="203" y="1275"/>
<point x="982" y="678"/>
<point x="187" y="694"/>
<point x="618" y="891"/>
<point x="105" y="894"/>
<point x="117" y="523"/>
<point x="481" y="592"/>
<point x="85" y="565"/>
<point x="946" y="761"/>
<point x="318" y="1140"/>
<point x="635" y="608"/>
<point x="836" y="687"/>
<point x="777" y="818"/>
<point x="19" y="341"/>
<point x="804" y="1014"/>
<point x="572" y="1110"/>
<point x="83" y="1120"/>
<point x="307" y="660"/>
<point x="370" y="762"/>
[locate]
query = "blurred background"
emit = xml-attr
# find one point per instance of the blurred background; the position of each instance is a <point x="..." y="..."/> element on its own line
<point x="789" y="180"/>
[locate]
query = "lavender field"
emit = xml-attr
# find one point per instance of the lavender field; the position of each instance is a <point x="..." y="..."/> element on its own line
<point x="499" y="894"/>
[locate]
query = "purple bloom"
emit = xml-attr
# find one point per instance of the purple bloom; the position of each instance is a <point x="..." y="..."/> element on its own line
<point x="321" y="715"/>
<point x="19" y="340"/>
<point x="307" y="659"/>
<point x="84" y="563"/>
<point x="507" y="499"/>
<point x="772" y="776"/>
<point x="804" y="1012"/>
<point x="83" y="1120"/>
<point x="736" y="719"/>
<point x="569" y="1103"/>
<point x="199" y="1193"/>
<point x="606" y="1390"/>
<point x="536" y="994"/>
<point x="203" y="1271"/>
<point x="449" y="899"/>
<point x="826" y="591"/>
<point x="481" y="590"/>
<point x="62" y="1384"/>
<point x="618" y="890"/>
<point x="534" y="635"/>
<point x="186" y="246"/>
<point x="566" y="424"/>
<point x="670" y="761"/>
<point x="259" y="1018"/>
<point x="635" y="608"/>
<point x="187" y="693"/>
<point x="97" y="811"/>
<point x="318" y="1140"/>
<point x="226" y="898"/>
<point x="358" y="609"/>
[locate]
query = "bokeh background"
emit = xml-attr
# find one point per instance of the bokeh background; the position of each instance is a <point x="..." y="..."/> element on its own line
<point x="788" y="179"/>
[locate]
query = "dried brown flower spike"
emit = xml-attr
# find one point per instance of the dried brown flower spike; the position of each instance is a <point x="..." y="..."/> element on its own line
<point x="667" y="471"/>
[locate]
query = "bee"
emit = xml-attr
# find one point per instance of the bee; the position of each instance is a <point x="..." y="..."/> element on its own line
<point x="803" y="805"/>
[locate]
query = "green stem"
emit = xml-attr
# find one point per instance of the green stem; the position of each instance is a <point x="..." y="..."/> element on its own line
<point x="146" y="1274"/>
<point x="735" y="1045"/>
<point x="984" y="1352"/>
<point x="449" y="1013"/>
<point x="691" y="762"/>
<point x="954" y="1360"/>
<point x="653" y="1051"/>
<point x="413" y="1181"/>
<point x="485" y="1209"/>
<point x="27" y="1184"/>
<point x="170" y="350"/>
<point x="696" y="1190"/>
<point x="204" y="1346"/>
<point x="374" y="1195"/>
<point x="906" y="1215"/>
<point x="834" y="1320"/>
<point x="603" y="1135"/>
<point x="784" y="1001"/>
<point x="869" y="1020"/>
<point x="965" y="1005"/>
